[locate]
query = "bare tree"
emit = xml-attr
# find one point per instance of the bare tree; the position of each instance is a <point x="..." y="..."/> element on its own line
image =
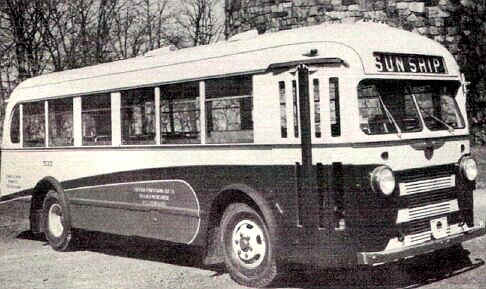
<point x="141" y="25"/>
<point x="199" y="21"/>
<point x="106" y="13"/>
<point x="21" y="21"/>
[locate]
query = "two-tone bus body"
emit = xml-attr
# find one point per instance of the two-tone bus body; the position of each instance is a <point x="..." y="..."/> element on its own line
<point x="333" y="145"/>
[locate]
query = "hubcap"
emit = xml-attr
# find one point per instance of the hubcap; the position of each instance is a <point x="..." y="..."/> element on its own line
<point x="55" y="220"/>
<point x="248" y="244"/>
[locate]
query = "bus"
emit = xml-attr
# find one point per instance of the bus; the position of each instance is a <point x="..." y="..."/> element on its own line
<point x="333" y="145"/>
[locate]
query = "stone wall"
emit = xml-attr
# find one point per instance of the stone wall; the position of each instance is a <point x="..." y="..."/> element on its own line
<point x="432" y="18"/>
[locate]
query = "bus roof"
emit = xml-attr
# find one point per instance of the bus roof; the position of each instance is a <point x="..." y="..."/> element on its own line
<point x="234" y="57"/>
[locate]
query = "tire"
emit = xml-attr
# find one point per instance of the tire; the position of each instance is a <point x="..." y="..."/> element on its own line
<point x="247" y="246"/>
<point x="56" y="227"/>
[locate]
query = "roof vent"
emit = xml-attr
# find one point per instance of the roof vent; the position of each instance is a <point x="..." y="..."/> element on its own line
<point x="160" y="51"/>
<point x="244" y="35"/>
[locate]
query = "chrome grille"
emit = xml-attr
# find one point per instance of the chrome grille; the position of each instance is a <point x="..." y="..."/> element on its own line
<point x="411" y="214"/>
<point x="427" y="235"/>
<point x="416" y="187"/>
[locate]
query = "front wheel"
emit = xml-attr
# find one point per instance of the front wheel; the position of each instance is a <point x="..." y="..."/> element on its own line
<point x="248" y="250"/>
<point x="56" y="227"/>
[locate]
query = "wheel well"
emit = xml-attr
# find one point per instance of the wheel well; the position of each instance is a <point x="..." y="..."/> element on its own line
<point x="38" y="195"/>
<point x="224" y="200"/>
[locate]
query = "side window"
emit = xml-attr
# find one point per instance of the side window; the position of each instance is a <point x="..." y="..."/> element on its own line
<point x="61" y="122"/>
<point x="334" y="106"/>
<point x="295" y="108"/>
<point x="138" y="116"/>
<point x="317" y="106"/>
<point x="179" y="114"/>
<point x="283" y="109"/>
<point x="34" y="125"/>
<point x="229" y="108"/>
<point x="96" y="119"/>
<point x="15" y="125"/>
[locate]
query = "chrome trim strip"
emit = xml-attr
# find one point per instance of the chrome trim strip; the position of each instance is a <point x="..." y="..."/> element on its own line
<point x="411" y="188"/>
<point x="411" y="214"/>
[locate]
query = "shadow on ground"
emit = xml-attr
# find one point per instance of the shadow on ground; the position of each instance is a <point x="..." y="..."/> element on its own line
<point x="413" y="273"/>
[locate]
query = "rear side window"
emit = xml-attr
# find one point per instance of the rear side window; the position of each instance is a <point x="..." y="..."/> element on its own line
<point x="34" y="124"/>
<point x="15" y="125"/>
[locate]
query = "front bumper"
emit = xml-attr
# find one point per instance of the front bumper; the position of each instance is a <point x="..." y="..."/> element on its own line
<point x="377" y="258"/>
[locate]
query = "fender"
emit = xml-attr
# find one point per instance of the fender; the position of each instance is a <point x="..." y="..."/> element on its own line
<point x="38" y="195"/>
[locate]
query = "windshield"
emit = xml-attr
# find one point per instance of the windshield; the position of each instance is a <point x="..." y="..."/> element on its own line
<point x="399" y="106"/>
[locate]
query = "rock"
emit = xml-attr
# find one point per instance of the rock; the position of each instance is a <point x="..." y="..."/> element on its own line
<point x="422" y="30"/>
<point x="412" y="18"/>
<point x="443" y="13"/>
<point x="433" y="30"/>
<point x="432" y="12"/>
<point x="402" y="5"/>
<point x="336" y="3"/>
<point x="379" y="5"/>
<point x="439" y="38"/>
<point x="452" y="30"/>
<point x="417" y="7"/>
<point x="450" y="39"/>
<point x="404" y="12"/>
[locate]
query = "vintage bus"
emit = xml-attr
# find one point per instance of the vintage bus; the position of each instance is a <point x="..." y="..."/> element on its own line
<point x="332" y="145"/>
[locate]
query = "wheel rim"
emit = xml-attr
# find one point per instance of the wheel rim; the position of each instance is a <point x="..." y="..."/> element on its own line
<point x="249" y="244"/>
<point x="55" y="220"/>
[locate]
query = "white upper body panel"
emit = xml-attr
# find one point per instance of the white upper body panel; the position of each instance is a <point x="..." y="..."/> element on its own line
<point x="355" y="44"/>
<point x="234" y="57"/>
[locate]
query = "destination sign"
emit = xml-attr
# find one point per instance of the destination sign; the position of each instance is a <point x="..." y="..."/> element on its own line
<point x="409" y="63"/>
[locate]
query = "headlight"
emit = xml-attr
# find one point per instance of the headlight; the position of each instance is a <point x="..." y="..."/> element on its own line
<point x="383" y="180"/>
<point x="469" y="168"/>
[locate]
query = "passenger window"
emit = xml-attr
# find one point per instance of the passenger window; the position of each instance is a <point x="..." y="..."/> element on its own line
<point x="34" y="125"/>
<point x="138" y="116"/>
<point x="15" y="125"/>
<point x="334" y="106"/>
<point x="295" y="108"/>
<point x="283" y="109"/>
<point x="229" y="110"/>
<point x="61" y="122"/>
<point x="179" y="114"/>
<point x="317" y="106"/>
<point x="96" y="119"/>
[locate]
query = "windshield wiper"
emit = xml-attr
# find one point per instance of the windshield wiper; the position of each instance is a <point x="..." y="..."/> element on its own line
<point x="450" y="129"/>
<point x="390" y="117"/>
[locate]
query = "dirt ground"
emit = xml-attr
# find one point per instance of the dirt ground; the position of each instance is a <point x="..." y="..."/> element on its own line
<point x="122" y="262"/>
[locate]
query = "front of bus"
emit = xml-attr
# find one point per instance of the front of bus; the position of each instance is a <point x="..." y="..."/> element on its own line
<point x="411" y="120"/>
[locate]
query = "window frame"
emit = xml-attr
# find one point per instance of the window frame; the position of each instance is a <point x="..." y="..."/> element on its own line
<point x="16" y="112"/>
<point x="145" y="93"/>
<point x="188" y="92"/>
<point x="43" y="122"/>
<point x="49" y="127"/>
<point x="109" y="138"/>
<point x="230" y="88"/>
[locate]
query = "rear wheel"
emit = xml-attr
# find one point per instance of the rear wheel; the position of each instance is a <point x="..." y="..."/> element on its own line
<point x="56" y="226"/>
<point x="248" y="248"/>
